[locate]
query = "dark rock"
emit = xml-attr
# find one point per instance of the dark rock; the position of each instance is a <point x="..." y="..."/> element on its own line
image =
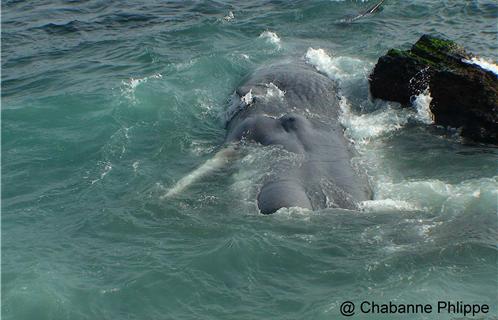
<point x="464" y="95"/>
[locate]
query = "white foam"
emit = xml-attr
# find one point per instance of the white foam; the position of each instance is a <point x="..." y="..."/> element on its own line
<point x="422" y="105"/>
<point x="271" y="37"/>
<point x="391" y="191"/>
<point x="429" y="195"/>
<point x="388" y="205"/>
<point x="247" y="98"/>
<point x="107" y="168"/>
<point x="272" y="92"/>
<point x="483" y="63"/>
<point x="133" y="83"/>
<point x="322" y="61"/>
<point x="135" y="166"/>
<point x="366" y="128"/>
<point x="116" y="147"/>
<point x="201" y="147"/>
<point x="111" y="290"/>
<point x="294" y="211"/>
<point x="345" y="70"/>
<point x="229" y="17"/>
<point x="337" y="68"/>
<point x="181" y="66"/>
<point x="205" y="102"/>
<point x="129" y="86"/>
<point x="438" y="196"/>
<point x="362" y="128"/>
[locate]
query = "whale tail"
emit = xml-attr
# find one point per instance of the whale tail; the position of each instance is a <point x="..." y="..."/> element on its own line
<point x="220" y="159"/>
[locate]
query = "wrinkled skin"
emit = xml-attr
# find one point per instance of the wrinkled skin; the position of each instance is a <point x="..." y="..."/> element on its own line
<point x="326" y="177"/>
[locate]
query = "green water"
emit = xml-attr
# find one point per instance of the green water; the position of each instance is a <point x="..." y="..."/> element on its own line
<point x="105" y="105"/>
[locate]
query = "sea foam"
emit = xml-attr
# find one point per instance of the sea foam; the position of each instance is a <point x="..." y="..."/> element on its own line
<point x="422" y="105"/>
<point x="271" y="37"/>
<point x="338" y="68"/>
<point x="483" y="63"/>
<point x="129" y="86"/>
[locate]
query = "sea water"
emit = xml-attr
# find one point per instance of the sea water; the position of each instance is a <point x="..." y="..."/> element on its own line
<point x="106" y="104"/>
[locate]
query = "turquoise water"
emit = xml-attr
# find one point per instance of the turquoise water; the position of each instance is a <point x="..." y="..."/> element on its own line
<point x="106" y="104"/>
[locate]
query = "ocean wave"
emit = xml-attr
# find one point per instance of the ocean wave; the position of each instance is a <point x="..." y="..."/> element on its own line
<point x="367" y="130"/>
<point x="128" y="87"/>
<point x="388" y="205"/>
<point x="272" y="38"/>
<point x="66" y="28"/>
<point x="364" y="127"/>
<point x="440" y="197"/>
<point x="422" y="103"/>
<point x="483" y="63"/>
<point x="341" y="68"/>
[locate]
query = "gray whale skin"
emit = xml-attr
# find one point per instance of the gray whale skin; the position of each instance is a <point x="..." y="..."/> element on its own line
<point x="303" y="121"/>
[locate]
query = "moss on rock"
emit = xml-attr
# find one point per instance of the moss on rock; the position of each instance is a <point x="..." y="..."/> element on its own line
<point x="464" y="95"/>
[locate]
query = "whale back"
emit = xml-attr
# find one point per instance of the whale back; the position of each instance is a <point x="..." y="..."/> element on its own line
<point x="296" y="108"/>
<point x="281" y="88"/>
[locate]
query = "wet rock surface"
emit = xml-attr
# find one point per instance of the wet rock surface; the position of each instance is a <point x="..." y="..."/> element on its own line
<point x="464" y="95"/>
